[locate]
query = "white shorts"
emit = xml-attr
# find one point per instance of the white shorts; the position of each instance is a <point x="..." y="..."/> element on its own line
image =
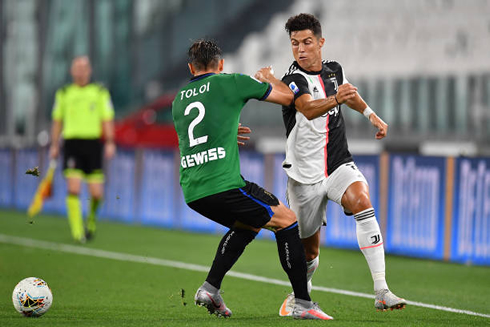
<point x="309" y="201"/>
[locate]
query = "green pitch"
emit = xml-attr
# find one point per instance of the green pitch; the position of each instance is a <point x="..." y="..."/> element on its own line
<point x="91" y="290"/>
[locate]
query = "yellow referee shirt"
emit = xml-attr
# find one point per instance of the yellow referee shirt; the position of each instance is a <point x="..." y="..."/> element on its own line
<point x="82" y="109"/>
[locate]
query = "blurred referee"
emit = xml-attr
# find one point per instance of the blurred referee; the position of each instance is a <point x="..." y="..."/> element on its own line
<point x="83" y="111"/>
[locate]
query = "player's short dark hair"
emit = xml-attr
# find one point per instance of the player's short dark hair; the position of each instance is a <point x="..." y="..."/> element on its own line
<point x="204" y="53"/>
<point x="304" y="22"/>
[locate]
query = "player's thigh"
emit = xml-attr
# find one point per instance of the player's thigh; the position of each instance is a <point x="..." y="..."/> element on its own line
<point x="250" y="205"/>
<point x="340" y="180"/>
<point x="309" y="203"/>
<point x="283" y="217"/>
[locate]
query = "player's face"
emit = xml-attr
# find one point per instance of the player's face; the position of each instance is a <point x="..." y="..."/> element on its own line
<point x="81" y="71"/>
<point x="307" y="49"/>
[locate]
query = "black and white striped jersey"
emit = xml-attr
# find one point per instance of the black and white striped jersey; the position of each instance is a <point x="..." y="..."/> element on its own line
<point x="315" y="148"/>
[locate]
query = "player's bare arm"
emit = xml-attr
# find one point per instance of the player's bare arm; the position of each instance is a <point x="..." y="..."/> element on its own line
<point x="358" y="104"/>
<point x="54" y="150"/>
<point x="110" y="146"/>
<point x="312" y="108"/>
<point x="281" y="94"/>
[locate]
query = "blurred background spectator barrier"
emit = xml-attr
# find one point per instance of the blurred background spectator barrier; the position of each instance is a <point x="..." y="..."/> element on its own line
<point x="428" y="207"/>
<point x="422" y="65"/>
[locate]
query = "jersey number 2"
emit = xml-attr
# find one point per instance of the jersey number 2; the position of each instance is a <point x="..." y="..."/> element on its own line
<point x="202" y="111"/>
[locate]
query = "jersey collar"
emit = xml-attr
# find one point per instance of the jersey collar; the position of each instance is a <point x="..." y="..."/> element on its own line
<point x="198" y="77"/>
<point x="307" y="71"/>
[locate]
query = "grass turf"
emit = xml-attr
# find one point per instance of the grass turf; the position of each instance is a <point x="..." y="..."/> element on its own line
<point x="91" y="291"/>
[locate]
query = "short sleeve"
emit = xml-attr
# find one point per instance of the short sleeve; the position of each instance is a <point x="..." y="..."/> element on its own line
<point x="297" y="83"/>
<point x="106" y="107"/>
<point x="251" y="88"/>
<point x="344" y="79"/>
<point x="58" y="107"/>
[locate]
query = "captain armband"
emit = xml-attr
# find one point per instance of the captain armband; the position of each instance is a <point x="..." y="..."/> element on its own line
<point x="367" y="112"/>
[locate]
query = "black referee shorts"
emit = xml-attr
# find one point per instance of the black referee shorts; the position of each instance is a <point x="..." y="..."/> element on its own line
<point x="250" y="205"/>
<point x="83" y="155"/>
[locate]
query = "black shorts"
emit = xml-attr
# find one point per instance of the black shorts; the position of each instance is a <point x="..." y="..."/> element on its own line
<point x="83" y="155"/>
<point x="250" y="205"/>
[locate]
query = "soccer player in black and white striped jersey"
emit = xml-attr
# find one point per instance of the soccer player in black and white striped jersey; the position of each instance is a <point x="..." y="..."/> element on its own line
<point x="318" y="162"/>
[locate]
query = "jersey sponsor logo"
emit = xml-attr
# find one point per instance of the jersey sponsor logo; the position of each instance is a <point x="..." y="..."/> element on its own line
<point x="202" y="157"/>
<point x="294" y="87"/>
<point x="189" y="93"/>
<point x="332" y="112"/>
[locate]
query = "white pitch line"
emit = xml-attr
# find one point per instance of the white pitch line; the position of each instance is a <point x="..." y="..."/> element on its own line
<point x="28" y="242"/>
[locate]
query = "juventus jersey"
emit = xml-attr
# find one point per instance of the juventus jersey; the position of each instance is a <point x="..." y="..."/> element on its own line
<point x="315" y="148"/>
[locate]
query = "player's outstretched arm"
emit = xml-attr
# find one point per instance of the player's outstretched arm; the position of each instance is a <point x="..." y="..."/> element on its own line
<point x="357" y="103"/>
<point x="280" y="94"/>
<point x="312" y="108"/>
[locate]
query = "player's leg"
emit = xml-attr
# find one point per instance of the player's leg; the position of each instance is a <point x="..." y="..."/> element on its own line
<point x="229" y="250"/>
<point x="356" y="200"/>
<point x="222" y="208"/>
<point x="96" y="190"/>
<point x="251" y="207"/>
<point x="312" y="252"/>
<point x="73" y="206"/>
<point x="93" y="161"/>
<point x="74" y="175"/>
<point x="282" y="221"/>
<point x="293" y="261"/>
<point x="311" y="245"/>
<point x="309" y="203"/>
<point x="290" y="248"/>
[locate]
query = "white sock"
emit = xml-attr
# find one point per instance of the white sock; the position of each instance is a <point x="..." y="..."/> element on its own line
<point x="311" y="267"/>
<point x="370" y="242"/>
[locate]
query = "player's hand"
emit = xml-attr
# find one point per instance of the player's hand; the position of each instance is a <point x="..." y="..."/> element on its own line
<point x="109" y="150"/>
<point x="380" y="125"/>
<point x="243" y="130"/>
<point x="54" y="151"/>
<point x="346" y="92"/>
<point x="265" y="74"/>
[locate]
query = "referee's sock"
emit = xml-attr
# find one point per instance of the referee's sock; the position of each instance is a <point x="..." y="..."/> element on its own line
<point x="91" y="218"/>
<point x="74" y="211"/>
<point x="229" y="250"/>
<point x="293" y="260"/>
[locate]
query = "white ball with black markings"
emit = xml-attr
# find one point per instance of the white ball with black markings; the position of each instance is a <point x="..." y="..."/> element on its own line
<point x="32" y="297"/>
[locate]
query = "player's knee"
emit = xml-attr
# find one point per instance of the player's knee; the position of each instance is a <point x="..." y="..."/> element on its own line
<point x="311" y="253"/>
<point x="362" y="202"/>
<point x="97" y="196"/>
<point x="97" y="193"/>
<point x="285" y="218"/>
<point x="290" y="217"/>
<point x="73" y="191"/>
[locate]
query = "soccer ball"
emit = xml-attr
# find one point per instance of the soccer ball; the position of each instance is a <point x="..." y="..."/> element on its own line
<point x="32" y="297"/>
